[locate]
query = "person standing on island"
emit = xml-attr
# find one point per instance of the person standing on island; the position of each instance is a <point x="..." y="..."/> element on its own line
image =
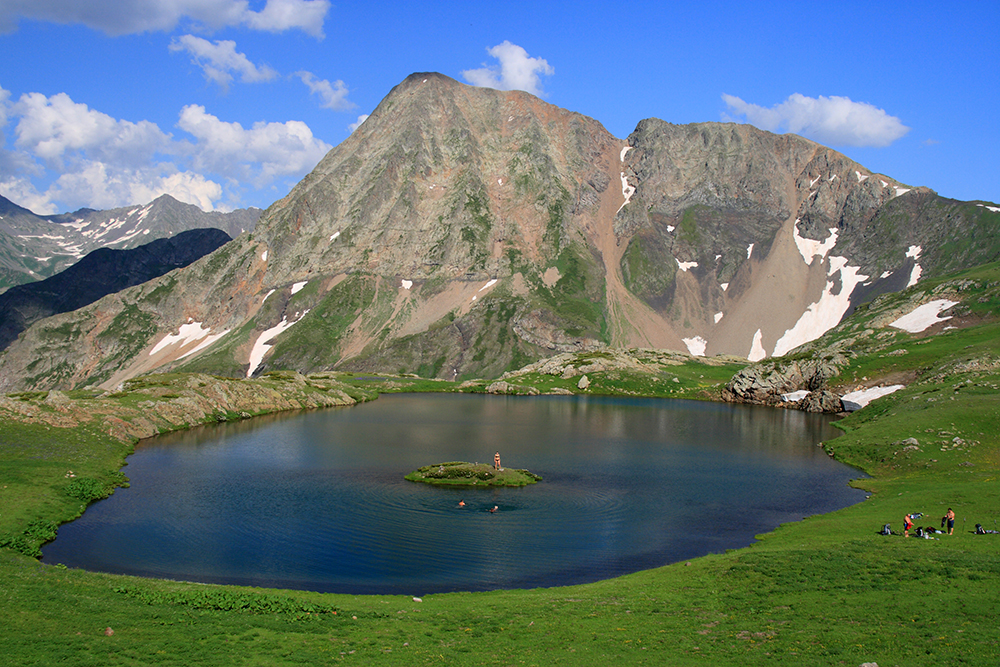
<point x="496" y="461"/>
<point x="951" y="521"/>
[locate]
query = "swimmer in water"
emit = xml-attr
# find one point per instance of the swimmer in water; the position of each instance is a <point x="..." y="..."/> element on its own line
<point x="461" y="503"/>
<point x="495" y="508"/>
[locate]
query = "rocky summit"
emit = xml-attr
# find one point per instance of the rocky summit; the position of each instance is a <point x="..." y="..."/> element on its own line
<point x="463" y="232"/>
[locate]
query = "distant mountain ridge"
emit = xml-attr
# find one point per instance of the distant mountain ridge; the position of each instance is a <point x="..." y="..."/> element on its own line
<point x="33" y="247"/>
<point x="102" y="272"/>
<point x="461" y="232"/>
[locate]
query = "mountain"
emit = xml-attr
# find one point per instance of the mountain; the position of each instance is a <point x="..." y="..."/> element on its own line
<point x="33" y="247"/>
<point x="463" y="232"/>
<point x="98" y="274"/>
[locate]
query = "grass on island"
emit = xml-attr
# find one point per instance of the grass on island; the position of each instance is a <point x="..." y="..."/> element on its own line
<point x="827" y="590"/>
<point x="460" y="473"/>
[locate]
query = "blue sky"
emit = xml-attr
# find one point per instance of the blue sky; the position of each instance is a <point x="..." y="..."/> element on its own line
<point x="228" y="103"/>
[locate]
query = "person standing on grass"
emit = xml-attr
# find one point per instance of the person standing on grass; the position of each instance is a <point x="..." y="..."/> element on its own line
<point x="951" y="521"/>
<point x="496" y="461"/>
<point x="907" y="524"/>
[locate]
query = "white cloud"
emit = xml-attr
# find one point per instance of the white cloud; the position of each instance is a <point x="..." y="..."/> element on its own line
<point x="260" y="154"/>
<point x="67" y="156"/>
<point x="333" y="95"/>
<point x="220" y="61"/>
<point x="124" y="17"/>
<point x="23" y="193"/>
<point x="356" y="124"/>
<point x="281" y="15"/>
<point x="51" y="127"/>
<point x="517" y="70"/>
<point x="832" y="120"/>
<point x="107" y="186"/>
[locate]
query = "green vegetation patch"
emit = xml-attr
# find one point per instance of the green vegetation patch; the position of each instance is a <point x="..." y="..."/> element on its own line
<point x="460" y="473"/>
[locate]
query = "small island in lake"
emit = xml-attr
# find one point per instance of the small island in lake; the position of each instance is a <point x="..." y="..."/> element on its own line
<point x="460" y="473"/>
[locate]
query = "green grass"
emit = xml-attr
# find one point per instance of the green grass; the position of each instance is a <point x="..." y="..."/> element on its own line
<point x="461" y="473"/>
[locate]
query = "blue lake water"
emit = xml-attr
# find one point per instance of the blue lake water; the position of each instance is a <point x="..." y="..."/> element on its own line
<point x="317" y="500"/>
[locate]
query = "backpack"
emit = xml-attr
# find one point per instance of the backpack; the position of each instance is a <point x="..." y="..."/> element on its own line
<point x="886" y="530"/>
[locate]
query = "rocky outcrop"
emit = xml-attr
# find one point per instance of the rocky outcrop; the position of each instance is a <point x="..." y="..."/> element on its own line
<point x="768" y="383"/>
<point x="151" y="405"/>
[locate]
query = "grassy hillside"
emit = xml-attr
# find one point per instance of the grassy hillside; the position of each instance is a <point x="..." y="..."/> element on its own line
<point x="828" y="590"/>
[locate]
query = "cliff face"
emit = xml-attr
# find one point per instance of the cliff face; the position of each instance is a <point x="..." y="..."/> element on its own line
<point x="464" y="232"/>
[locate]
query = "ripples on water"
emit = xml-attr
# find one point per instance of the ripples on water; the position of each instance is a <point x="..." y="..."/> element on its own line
<point x="318" y="501"/>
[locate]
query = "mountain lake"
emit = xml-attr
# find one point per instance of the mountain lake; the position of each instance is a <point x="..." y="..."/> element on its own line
<point x="317" y="501"/>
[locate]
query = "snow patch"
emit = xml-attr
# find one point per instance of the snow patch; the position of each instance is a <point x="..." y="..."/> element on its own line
<point x="186" y="334"/>
<point x="833" y="178"/>
<point x="861" y="179"/>
<point x="914" y="252"/>
<point x="885" y="274"/>
<point x="671" y="228"/>
<point x="901" y="191"/>
<point x="625" y="149"/>
<point x="718" y="316"/>
<point x="489" y="284"/>
<point x="266" y="295"/>
<point x="333" y="237"/>
<point x="884" y="184"/>
<point x="406" y="284"/>
<point x="813" y="181"/>
<point x="263" y="257"/>
<point x="684" y="266"/>
<point x="859" y="399"/>
<point x="499" y="181"/>
<point x="924" y="317"/>
<point x="696" y="346"/>
<point x="298" y="286"/>
<point x="826" y="313"/>
<point x="995" y="209"/>
<point x="757" y="351"/>
<point x="724" y="286"/>
<point x="627" y="191"/>
<point x="809" y="248"/>
<point x="795" y="395"/>
<point x="749" y="250"/>
<point x="260" y="346"/>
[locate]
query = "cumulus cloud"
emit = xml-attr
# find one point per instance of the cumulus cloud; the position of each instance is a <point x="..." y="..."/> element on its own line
<point x="124" y="17"/>
<point x="22" y="192"/>
<point x="258" y="154"/>
<point x="517" y="70"/>
<point x="87" y="158"/>
<point x="356" y="124"/>
<point x="220" y="61"/>
<point x="108" y="186"/>
<point x="333" y="95"/>
<point x="830" y="120"/>
<point x="51" y="127"/>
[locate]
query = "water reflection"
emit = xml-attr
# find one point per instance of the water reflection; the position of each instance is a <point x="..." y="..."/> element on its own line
<point x="317" y="500"/>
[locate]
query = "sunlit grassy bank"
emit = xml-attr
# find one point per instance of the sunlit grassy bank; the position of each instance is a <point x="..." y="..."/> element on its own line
<point x="825" y="590"/>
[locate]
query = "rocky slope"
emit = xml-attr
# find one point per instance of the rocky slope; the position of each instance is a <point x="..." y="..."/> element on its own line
<point x="100" y="273"/>
<point x="152" y="405"/>
<point x="464" y="232"/>
<point x="33" y="247"/>
<point x="937" y="329"/>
